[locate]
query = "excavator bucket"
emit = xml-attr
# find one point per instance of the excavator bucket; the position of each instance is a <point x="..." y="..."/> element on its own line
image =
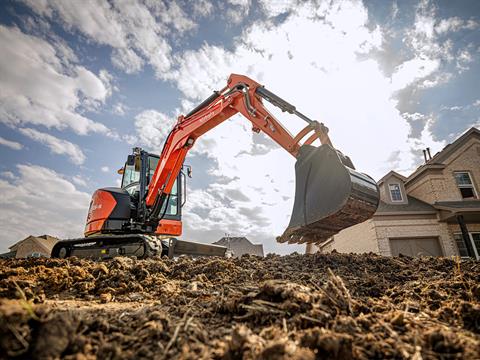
<point x="329" y="196"/>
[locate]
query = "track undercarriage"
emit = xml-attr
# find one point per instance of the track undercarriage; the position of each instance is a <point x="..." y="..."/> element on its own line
<point x="139" y="245"/>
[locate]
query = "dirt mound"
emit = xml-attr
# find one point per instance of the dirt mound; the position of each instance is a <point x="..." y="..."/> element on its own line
<point x="299" y="306"/>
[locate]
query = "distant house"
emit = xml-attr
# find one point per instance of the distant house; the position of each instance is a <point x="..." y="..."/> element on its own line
<point x="32" y="246"/>
<point x="423" y="214"/>
<point x="240" y="246"/>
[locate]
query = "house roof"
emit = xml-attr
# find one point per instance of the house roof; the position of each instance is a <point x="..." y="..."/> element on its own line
<point x="45" y="241"/>
<point x="389" y="174"/>
<point x="436" y="162"/>
<point x="414" y="205"/>
<point x="232" y="240"/>
<point x="448" y="210"/>
<point x="17" y="244"/>
<point x="456" y="205"/>
<point x="450" y="148"/>
<point x="8" y="255"/>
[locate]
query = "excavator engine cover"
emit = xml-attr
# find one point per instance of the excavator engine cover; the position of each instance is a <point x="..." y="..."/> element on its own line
<point x="329" y="196"/>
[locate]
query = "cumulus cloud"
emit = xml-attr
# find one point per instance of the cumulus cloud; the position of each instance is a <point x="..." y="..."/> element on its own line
<point x="238" y="10"/>
<point x="455" y="24"/>
<point x="10" y="144"/>
<point x="105" y="169"/>
<point x="44" y="87"/>
<point x="40" y="200"/>
<point x="406" y="160"/>
<point x="277" y="7"/>
<point x="136" y="31"/>
<point x="152" y="128"/>
<point x="79" y="180"/>
<point x="8" y="175"/>
<point x="127" y="60"/>
<point x="202" y="8"/>
<point x="412" y="70"/>
<point x="56" y="145"/>
<point x="119" y="109"/>
<point x="432" y="50"/>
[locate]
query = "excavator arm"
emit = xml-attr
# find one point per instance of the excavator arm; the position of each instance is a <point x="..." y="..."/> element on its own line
<point x="245" y="96"/>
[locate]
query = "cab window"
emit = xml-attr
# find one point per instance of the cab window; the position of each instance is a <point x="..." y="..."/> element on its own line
<point x="152" y="165"/>
<point x="173" y="201"/>
<point x="131" y="174"/>
<point x="172" y="204"/>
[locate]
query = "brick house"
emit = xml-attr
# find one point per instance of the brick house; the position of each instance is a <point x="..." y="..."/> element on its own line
<point x="423" y="214"/>
<point x="32" y="246"/>
<point x="240" y="245"/>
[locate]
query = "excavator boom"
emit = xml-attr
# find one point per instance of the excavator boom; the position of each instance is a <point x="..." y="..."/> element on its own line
<point x="330" y="194"/>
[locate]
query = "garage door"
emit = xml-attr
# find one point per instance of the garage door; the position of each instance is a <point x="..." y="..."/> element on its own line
<point x="416" y="247"/>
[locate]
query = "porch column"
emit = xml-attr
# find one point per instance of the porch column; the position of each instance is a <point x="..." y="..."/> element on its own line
<point x="465" y="236"/>
<point x="310" y="249"/>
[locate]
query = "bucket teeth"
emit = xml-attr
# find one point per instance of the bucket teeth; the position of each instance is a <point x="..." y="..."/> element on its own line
<point x="329" y="196"/>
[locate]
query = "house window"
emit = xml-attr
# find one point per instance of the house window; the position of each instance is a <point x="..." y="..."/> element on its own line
<point x="35" y="254"/>
<point x="465" y="185"/>
<point x="395" y="192"/>
<point x="474" y="241"/>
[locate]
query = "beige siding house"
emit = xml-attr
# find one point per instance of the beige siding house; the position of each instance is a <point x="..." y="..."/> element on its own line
<point x="423" y="214"/>
<point x="32" y="246"/>
<point x="240" y="246"/>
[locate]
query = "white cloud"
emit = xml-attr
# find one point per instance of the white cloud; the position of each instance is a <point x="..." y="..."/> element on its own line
<point x="277" y="7"/>
<point x="105" y="169"/>
<point x="45" y="88"/>
<point x="464" y="58"/>
<point x="426" y="140"/>
<point x="455" y="24"/>
<point x="40" y="201"/>
<point x="8" y="175"/>
<point x="406" y="160"/>
<point x="11" y="144"/>
<point x="56" y="145"/>
<point x="119" y="108"/>
<point x="137" y="31"/>
<point x="202" y="8"/>
<point x="91" y="18"/>
<point x="79" y="180"/>
<point x="237" y="10"/>
<point x="432" y="50"/>
<point x="127" y="60"/>
<point x="171" y="14"/>
<point x="152" y="128"/>
<point x="437" y="79"/>
<point x="412" y="70"/>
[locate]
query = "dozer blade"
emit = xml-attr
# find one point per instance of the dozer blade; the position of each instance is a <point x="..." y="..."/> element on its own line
<point x="329" y="196"/>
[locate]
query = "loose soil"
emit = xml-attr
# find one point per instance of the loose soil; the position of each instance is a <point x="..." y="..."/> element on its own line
<point x="334" y="306"/>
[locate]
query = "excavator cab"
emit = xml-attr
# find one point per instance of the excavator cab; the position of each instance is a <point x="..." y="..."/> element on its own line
<point x="136" y="177"/>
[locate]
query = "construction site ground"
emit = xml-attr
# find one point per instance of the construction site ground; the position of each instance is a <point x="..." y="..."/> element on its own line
<point x="333" y="306"/>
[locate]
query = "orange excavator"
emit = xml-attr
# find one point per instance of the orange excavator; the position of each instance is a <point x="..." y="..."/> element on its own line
<point x="143" y="217"/>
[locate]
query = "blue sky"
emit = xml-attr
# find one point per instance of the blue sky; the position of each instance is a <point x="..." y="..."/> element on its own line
<point x="81" y="83"/>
